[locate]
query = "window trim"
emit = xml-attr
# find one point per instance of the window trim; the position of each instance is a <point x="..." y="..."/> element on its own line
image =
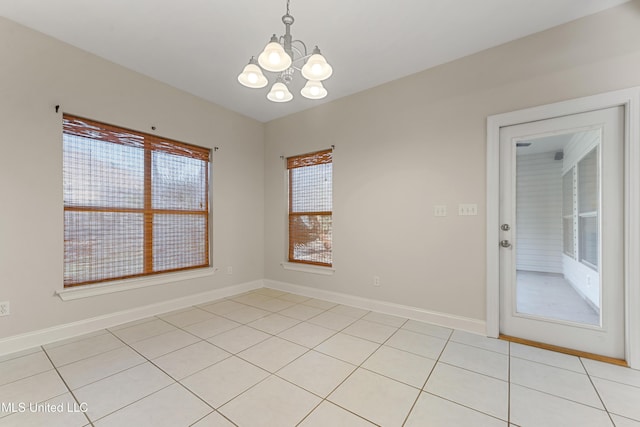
<point x="308" y="268"/>
<point x="107" y="287"/>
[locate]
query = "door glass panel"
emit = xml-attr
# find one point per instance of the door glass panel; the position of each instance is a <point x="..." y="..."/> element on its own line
<point x="557" y="227"/>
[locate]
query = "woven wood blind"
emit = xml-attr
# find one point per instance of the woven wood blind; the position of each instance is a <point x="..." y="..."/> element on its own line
<point x="134" y="204"/>
<point x="310" y="208"/>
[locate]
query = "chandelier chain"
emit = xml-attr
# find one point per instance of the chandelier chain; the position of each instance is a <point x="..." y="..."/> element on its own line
<point x="288" y="6"/>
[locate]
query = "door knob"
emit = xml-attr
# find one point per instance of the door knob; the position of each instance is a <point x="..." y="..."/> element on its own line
<point x="505" y="243"/>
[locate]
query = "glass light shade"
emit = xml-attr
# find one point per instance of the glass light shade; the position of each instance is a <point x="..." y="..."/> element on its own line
<point x="317" y="68"/>
<point x="279" y="93"/>
<point x="313" y="90"/>
<point x="252" y="77"/>
<point x="273" y="57"/>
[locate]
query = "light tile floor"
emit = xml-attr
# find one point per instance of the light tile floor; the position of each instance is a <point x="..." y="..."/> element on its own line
<point x="551" y="295"/>
<point x="269" y="358"/>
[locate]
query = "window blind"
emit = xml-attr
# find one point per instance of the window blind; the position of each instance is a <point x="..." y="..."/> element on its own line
<point x="310" y="208"/>
<point x="134" y="204"/>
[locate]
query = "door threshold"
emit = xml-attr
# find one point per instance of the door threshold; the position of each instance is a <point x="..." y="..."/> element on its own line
<point x="558" y="349"/>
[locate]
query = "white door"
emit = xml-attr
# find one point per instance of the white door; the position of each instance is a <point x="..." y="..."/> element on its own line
<point x="562" y="231"/>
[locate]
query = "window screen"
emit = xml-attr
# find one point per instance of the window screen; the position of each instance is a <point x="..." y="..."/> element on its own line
<point x="134" y="204"/>
<point x="588" y="202"/>
<point x="568" y="187"/>
<point x="310" y="208"/>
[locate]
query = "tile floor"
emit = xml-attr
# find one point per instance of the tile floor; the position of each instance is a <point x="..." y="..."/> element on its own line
<point x="269" y="358"/>
<point x="551" y="295"/>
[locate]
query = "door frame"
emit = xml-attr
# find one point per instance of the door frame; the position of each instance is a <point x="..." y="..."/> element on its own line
<point x="630" y="100"/>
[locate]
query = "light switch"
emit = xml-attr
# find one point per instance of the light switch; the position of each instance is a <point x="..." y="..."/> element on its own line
<point x="440" y="210"/>
<point x="467" y="209"/>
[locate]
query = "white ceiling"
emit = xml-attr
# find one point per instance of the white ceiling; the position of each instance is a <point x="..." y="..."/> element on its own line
<point x="554" y="143"/>
<point x="546" y="144"/>
<point x="200" y="46"/>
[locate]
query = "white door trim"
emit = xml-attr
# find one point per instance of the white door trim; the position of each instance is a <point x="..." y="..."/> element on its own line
<point x="630" y="99"/>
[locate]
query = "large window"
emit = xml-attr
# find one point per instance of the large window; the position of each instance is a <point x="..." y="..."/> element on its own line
<point x="310" y="208"/>
<point x="134" y="204"/>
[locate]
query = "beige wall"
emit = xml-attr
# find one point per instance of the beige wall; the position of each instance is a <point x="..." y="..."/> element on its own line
<point x="408" y="145"/>
<point x="401" y="148"/>
<point x="36" y="73"/>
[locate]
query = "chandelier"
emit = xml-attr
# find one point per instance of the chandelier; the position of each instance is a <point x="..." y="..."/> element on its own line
<point x="283" y="55"/>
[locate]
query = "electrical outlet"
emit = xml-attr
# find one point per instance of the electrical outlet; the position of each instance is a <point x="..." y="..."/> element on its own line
<point x="440" y="210"/>
<point x="4" y="308"/>
<point x="376" y="280"/>
<point x="229" y="270"/>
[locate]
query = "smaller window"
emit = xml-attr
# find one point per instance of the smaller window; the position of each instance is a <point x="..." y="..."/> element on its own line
<point x="589" y="240"/>
<point x="310" y="208"/>
<point x="588" y="201"/>
<point x="568" y="209"/>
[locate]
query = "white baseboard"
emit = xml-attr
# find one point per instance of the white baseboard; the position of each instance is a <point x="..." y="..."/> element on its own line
<point x="442" y="319"/>
<point x="40" y="337"/>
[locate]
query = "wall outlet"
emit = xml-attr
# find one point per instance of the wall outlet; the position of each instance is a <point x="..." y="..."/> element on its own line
<point x="229" y="270"/>
<point x="376" y="280"/>
<point x="440" y="210"/>
<point x="4" y="308"/>
<point x="467" y="209"/>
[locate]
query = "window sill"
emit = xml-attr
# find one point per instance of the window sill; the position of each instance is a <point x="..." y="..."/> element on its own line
<point x="589" y="265"/>
<point x="307" y="268"/>
<point x="86" y="291"/>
